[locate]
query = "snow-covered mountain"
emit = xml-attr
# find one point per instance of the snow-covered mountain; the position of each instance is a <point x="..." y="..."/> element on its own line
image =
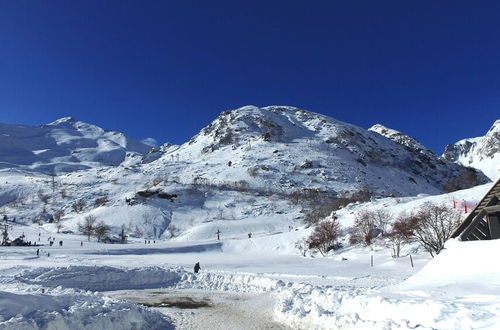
<point x="482" y="152"/>
<point x="286" y="148"/>
<point x="251" y="170"/>
<point x="65" y="145"/>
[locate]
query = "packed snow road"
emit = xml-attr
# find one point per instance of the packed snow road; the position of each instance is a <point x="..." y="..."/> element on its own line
<point x="199" y="309"/>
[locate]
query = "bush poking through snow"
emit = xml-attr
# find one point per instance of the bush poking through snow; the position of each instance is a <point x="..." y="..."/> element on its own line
<point x="78" y="205"/>
<point x="101" y="201"/>
<point x="433" y="225"/>
<point x="101" y="231"/>
<point x="324" y="236"/>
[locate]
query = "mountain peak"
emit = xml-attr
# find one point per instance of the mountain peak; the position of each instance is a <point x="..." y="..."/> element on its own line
<point x="62" y="120"/>
<point x="480" y="152"/>
<point x="398" y="137"/>
<point x="494" y="128"/>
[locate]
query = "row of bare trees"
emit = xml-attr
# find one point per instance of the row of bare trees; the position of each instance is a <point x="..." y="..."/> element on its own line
<point x="431" y="225"/>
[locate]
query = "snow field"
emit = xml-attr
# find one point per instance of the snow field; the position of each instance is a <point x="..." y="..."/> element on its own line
<point x="300" y="305"/>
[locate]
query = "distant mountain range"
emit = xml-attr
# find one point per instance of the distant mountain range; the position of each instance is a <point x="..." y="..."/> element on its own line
<point x="261" y="167"/>
<point x="276" y="146"/>
<point x="65" y="145"/>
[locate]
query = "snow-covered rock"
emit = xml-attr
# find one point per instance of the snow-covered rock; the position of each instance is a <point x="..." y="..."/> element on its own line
<point x="482" y="152"/>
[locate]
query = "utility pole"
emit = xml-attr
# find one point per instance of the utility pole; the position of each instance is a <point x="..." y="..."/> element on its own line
<point x="53" y="175"/>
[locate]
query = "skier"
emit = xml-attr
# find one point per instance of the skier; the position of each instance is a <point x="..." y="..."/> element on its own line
<point x="197" y="267"/>
<point x="38" y="252"/>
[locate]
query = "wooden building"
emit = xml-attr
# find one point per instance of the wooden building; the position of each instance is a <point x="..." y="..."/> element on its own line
<point x="483" y="223"/>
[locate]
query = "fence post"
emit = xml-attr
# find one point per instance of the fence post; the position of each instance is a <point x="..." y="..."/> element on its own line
<point x="411" y="260"/>
<point x="371" y="262"/>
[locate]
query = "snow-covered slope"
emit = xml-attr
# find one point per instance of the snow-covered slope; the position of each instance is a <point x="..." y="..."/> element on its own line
<point x="482" y="152"/>
<point x="65" y="145"/>
<point x="285" y="149"/>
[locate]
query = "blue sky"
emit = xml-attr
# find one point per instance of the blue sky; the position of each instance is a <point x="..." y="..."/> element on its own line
<point x="165" y="69"/>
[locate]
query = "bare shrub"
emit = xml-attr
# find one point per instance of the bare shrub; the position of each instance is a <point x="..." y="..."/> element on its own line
<point x="101" y="231"/>
<point x="364" y="225"/>
<point x="253" y="171"/>
<point x="42" y="197"/>
<point x="101" y="201"/>
<point x="78" y="205"/>
<point x="88" y="225"/>
<point x="241" y="185"/>
<point x="324" y="236"/>
<point x="302" y="245"/>
<point x="400" y="233"/>
<point x="58" y="215"/>
<point x="433" y="225"/>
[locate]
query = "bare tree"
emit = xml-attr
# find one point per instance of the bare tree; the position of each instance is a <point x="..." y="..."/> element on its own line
<point x="88" y="226"/>
<point x="382" y="219"/>
<point x="324" y="236"/>
<point x="302" y="245"/>
<point x="433" y="225"/>
<point x="59" y="226"/>
<point x="78" y="205"/>
<point x="364" y="225"/>
<point x="400" y="233"/>
<point x="101" y="231"/>
<point x="58" y="215"/>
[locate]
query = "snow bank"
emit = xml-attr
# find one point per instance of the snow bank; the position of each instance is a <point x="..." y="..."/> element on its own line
<point x="75" y="311"/>
<point x="305" y="306"/>
<point x="460" y="270"/>
<point x="102" y="278"/>
<point x="415" y="304"/>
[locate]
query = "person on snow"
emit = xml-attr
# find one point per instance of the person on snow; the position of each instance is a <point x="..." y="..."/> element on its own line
<point x="197" y="267"/>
